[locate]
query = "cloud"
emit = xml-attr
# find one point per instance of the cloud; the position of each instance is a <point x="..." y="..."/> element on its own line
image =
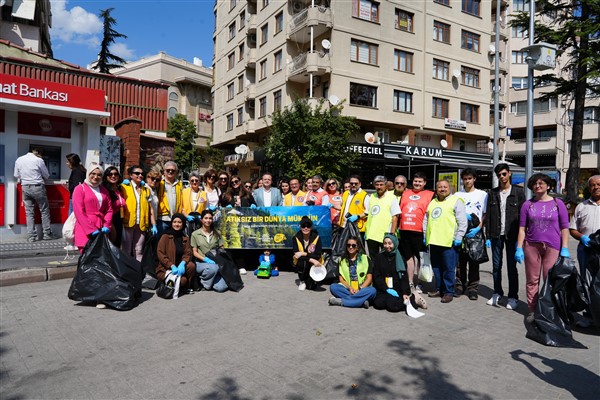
<point x="75" y="25"/>
<point x="121" y="50"/>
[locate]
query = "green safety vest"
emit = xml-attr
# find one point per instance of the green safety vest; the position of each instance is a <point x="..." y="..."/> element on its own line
<point x="362" y="267"/>
<point x="441" y="221"/>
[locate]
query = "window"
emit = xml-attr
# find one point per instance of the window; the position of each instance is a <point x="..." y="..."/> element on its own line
<point x="441" y="32"/>
<point x="591" y="115"/>
<point x="232" y="30"/>
<point x="520" y="5"/>
<point x="264" y="34"/>
<point x="519" y="32"/>
<point x="262" y="111"/>
<point x="279" y="22"/>
<point x="240" y="83"/>
<point x="263" y="70"/>
<point x="519" y="82"/>
<point x="404" y="20"/>
<point x="230" y="91"/>
<point x="232" y="4"/>
<point x="363" y="95"/>
<point x="277" y="101"/>
<point x="469" y="113"/>
<point x="173" y="96"/>
<point x="519" y="57"/>
<point x="471" y="6"/>
<point x="403" y="61"/>
<point x="444" y="2"/>
<point x="470" y="41"/>
<point x="241" y="49"/>
<point x="439" y="108"/>
<point x="172" y="112"/>
<point x="539" y="135"/>
<point x="363" y="52"/>
<point x="470" y="77"/>
<point x="365" y="9"/>
<point x="230" y="61"/>
<point x="539" y="106"/>
<point x="402" y="101"/>
<point x="441" y="69"/>
<point x="277" y="61"/>
<point x="242" y="19"/>
<point x="265" y="3"/>
<point x="229" y="121"/>
<point x="240" y="116"/>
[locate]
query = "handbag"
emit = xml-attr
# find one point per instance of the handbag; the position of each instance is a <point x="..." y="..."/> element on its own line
<point x="169" y="288"/>
<point x="68" y="230"/>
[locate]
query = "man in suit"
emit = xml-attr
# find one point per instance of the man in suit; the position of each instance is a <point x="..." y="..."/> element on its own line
<point x="267" y="196"/>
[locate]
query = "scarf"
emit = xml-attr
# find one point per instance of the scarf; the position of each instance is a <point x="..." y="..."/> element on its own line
<point x="92" y="167"/>
<point x="177" y="235"/>
<point x="400" y="267"/>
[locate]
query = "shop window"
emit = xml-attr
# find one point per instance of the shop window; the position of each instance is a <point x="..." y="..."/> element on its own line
<point x="363" y="95"/>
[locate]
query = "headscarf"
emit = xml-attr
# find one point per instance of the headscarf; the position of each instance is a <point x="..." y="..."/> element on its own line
<point x="400" y="267"/>
<point x="92" y="167"/>
<point x="177" y="235"/>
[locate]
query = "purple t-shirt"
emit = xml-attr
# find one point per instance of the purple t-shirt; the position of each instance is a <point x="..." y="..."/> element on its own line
<point x="543" y="221"/>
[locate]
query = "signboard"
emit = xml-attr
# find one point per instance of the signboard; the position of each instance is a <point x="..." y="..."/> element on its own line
<point x="269" y="227"/>
<point x="368" y="150"/>
<point x="43" y="125"/>
<point x="451" y="177"/>
<point x="455" y="124"/>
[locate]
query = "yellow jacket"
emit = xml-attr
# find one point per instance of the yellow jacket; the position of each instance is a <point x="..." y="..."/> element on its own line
<point x="356" y="208"/>
<point x="299" y="201"/>
<point x="163" y="203"/>
<point x="131" y="204"/>
<point x="187" y="201"/>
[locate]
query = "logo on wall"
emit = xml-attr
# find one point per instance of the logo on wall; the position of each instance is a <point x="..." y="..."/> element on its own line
<point x="45" y="125"/>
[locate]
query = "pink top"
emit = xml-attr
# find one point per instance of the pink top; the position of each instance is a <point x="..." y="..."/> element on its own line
<point x="88" y="212"/>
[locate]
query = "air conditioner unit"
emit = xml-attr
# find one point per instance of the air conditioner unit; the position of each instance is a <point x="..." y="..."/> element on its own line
<point x="316" y="81"/>
<point x="297" y="6"/>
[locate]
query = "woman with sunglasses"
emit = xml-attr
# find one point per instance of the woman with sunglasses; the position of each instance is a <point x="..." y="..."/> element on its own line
<point x="335" y="199"/>
<point x="111" y="181"/>
<point x="222" y="183"/>
<point x="308" y="251"/>
<point x="153" y="178"/>
<point x="248" y="186"/>
<point x="213" y="193"/>
<point x="194" y="198"/>
<point x="237" y="195"/>
<point x="354" y="289"/>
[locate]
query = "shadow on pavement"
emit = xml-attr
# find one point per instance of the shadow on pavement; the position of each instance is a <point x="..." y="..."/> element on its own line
<point x="370" y="385"/>
<point x="580" y="382"/>
<point x="227" y="388"/>
<point x="4" y="376"/>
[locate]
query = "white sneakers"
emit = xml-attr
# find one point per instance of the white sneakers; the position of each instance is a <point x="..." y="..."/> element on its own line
<point x="243" y="271"/>
<point x="101" y="306"/>
<point x="302" y="286"/>
<point x="512" y="304"/>
<point x="494" y="300"/>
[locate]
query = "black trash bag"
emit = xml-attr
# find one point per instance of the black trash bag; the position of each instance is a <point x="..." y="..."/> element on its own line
<point x="191" y="226"/>
<point x="474" y="247"/>
<point x="562" y="294"/>
<point x="338" y="248"/>
<point x="228" y="269"/>
<point x="149" y="262"/>
<point x="106" y="275"/>
<point x="592" y="280"/>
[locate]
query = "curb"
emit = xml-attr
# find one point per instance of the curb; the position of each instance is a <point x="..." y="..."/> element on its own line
<point x="31" y="275"/>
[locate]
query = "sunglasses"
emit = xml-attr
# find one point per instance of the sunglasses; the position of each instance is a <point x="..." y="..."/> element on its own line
<point x="170" y="171"/>
<point x="248" y="186"/>
<point x="305" y="226"/>
<point x="235" y="181"/>
<point x="211" y="177"/>
<point x="194" y="181"/>
<point x="151" y="178"/>
<point x="400" y="183"/>
<point x="502" y="174"/>
<point x="351" y="245"/>
<point x="354" y="183"/>
<point x="136" y="173"/>
<point x="331" y="184"/>
<point x="223" y="178"/>
<point x="114" y="174"/>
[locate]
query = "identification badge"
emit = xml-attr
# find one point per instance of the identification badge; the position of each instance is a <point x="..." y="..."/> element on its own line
<point x="354" y="285"/>
<point x="389" y="281"/>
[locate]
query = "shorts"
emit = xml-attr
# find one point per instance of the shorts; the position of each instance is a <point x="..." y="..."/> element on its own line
<point x="411" y="244"/>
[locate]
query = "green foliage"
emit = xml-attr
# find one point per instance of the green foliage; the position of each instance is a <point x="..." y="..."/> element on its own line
<point x="184" y="133"/>
<point x="107" y="60"/>
<point x="214" y="156"/>
<point x="304" y="141"/>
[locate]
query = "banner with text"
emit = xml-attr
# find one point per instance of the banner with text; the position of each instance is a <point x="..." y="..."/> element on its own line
<point x="269" y="227"/>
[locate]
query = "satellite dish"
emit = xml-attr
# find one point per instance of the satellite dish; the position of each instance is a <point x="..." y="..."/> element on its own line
<point x="326" y="44"/>
<point x="243" y="149"/>
<point x="492" y="49"/>
<point x="456" y="73"/>
<point x="444" y="143"/>
<point x="334" y="100"/>
<point x="237" y="150"/>
<point x="490" y="145"/>
<point x="370" y="138"/>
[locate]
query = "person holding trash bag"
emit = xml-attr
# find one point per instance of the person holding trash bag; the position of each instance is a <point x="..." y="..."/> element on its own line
<point x="204" y="241"/>
<point x="543" y="235"/>
<point x="175" y="254"/>
<point x="308" y="251"/>
<point x="92" y="206"/>
<point x="356" y="275"/>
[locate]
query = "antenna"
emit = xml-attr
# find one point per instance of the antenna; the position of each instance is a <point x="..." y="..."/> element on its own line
<point x="334" y="100"/>
<point x="326" y="44"/>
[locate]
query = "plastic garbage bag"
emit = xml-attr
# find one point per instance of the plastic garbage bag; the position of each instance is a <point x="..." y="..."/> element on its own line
<point x="106" y="275"/>
<point x="562" y="294"/>
<point x="193" y="225"/>
<point x="228" y="269"/>
<point x="149" y="262"/>
<point x="426" y="271"/>
<point x="592" y="280"/>
<point x="338" y="248"/>
<point x="475" y="247"/>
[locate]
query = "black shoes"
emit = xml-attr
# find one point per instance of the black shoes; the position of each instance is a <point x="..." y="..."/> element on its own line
<point x="473" y="295"/>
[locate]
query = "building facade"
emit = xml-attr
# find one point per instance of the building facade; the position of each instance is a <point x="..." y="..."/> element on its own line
<point x="27" y="24"/>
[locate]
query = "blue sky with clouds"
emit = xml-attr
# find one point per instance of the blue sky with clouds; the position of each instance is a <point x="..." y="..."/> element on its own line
<point x="181" y="28"/>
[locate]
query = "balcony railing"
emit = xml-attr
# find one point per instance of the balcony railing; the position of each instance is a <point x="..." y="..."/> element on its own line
<point x="315" y="62"/>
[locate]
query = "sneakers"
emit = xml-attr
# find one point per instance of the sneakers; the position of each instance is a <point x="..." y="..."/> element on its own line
<point x="366" y="304"/>
<point x="494" y="300"/>
<point x="32" y="239"/>
<point x="49" y="237"/>
<point x="243" y="271"/>
<point x="302" y="286"/>
<point x="512" y="304"/>
<point x="335" y="301"/>
<point x="472" y="295"/>
<point x="101" y="306"/>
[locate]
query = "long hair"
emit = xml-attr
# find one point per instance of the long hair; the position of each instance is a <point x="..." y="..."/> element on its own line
<point x="107" y="185"/>
<point x="75" y="161"/>
<point x="212" y="226"/>
<point x="346" y="255"/>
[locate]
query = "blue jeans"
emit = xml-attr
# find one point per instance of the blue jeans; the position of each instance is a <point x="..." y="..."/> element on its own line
<point x="583" y="257"/>
<point x="210" y="278"/>
<point x="511" y="265"/>
<point x="162" y="226"/>
<point x="443" y="262"/>
<point x="352" y="300"/>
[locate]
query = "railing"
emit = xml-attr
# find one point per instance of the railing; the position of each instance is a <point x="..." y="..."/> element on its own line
<point x="539" y="139"/>
<point x="298" y="63"/>
<point x="298" y="19"/>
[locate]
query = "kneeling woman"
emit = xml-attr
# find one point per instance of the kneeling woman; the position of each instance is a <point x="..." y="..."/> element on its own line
<point x="356" y="274"/>
<point x="175" y="253"/>
<point x="307" y="252"/>
<point x="390" y="278"/>
<point x="203" y="241"/>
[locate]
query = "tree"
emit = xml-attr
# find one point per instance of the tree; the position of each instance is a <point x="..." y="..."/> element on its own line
<point x="214" y="156"/>
<point x="574" y="27"/>
<point x="107" y="60"/>
<point x="304" y="141"/>
<point x="184" y="132"/>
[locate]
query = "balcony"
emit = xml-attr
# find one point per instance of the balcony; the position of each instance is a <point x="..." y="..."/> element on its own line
<point x="251" y="57"/>
<point x="316" y="62"/>
<point x="319" y="18"/>
<point x="503" y="4"/>
<point x="503" y="30"/>
<point x="250" y="126"/>
<point x="540" y="145"/>
<point x="250" y="92"/>
<point x="251" y="24"/>
<point x="503" y="66"/>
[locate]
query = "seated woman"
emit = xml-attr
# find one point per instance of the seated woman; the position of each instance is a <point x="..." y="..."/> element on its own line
<point x="175" y="253"/>
<point x="307" y="252"/>
<point x="390" y="279"/>
<point x="203" y="241"/>
<point x="356" y="274"/>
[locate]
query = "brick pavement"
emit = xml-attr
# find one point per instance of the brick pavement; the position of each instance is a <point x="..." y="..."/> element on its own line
<point x="271" y="341"/>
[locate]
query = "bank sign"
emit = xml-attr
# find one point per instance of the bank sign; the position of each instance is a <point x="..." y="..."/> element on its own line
<point x="18" y="90"/>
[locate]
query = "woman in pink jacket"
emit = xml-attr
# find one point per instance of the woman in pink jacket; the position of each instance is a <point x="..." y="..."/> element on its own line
<point x="92" y="207"/>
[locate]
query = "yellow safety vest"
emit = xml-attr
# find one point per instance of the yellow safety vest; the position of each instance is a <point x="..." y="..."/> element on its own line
<point x="131" y="204"/>
<point x="379" y="220"/>
<point x="357" y="207"/>
<point x="299" y="201"/>
<point x="441" y="221"/>
<point x="163" y="202"/>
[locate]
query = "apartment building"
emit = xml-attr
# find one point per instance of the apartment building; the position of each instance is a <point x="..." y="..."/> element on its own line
<point x="412" y="73"/>
<point x="27" y="24"/>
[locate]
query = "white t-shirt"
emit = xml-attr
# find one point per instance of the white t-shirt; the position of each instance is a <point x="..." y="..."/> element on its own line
<point x="267" y="198"/>
<point x="475" y="202"/>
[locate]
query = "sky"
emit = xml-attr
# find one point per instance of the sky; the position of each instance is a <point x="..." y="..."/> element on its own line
<point x="180" y="28"/>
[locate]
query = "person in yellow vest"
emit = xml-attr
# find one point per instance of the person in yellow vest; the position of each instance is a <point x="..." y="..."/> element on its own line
<point x="445" y="224"/>
<point x="295" y="197"/>
<point x="170" y="197"/>
<point x="383" y="212"/>
<point x="308" y="251"/>
<point x="193" y="198"/>
<point x="137" y="213"/>
<point x="353" y="205"/>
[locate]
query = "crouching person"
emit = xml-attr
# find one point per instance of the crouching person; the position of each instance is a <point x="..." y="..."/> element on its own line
<point x="203" y="241"/>
<point x="356" y="274"/>
<point x="175" y="254"/>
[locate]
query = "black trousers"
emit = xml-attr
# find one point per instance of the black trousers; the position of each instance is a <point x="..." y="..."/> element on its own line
<point x="467" y="281"/>
<point x="374" y="247"/>
<point x="385" y="301"/>
<point x="303" y="267"/>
